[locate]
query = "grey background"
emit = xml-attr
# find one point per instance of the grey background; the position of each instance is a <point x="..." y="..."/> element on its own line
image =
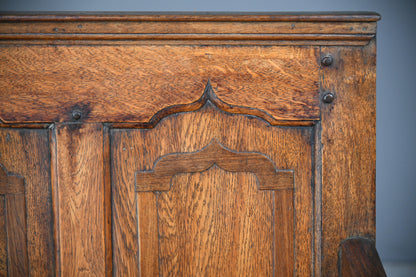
<point x="396" y="95"/>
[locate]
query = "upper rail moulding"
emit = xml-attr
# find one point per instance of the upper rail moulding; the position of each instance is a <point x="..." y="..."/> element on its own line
<point x="189" y="29"/>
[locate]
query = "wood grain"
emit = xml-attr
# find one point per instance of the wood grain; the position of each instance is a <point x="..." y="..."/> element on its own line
<point x="185" y="80"/>
<point x="16" y="235"/>
<point x="132" y="84"/>
<point x="187" y="27"/>
<point x="285" y="230"/>
<point x="148" y="227"/>
<point x="348" y="189"/>
<point x="218" y="29"/>
<point x="214" y="154"/>
<point x="215" y="223"/>
<point x="13" y="189"/>
<point x="359" y="258"/>
<point x="80" y="173"/>
<point x="135" y="150"/>
<point x="29" y="211"/>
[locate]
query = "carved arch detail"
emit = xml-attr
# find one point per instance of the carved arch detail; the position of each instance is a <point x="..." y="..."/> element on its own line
<point x="214" y="154"/>
<point x="210" y="96"/>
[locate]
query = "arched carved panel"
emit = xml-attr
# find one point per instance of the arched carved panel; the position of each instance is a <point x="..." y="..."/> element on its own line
<point x="12" y="188"/>
<point x="198" y="180"/>
<point x="213" y="154"/>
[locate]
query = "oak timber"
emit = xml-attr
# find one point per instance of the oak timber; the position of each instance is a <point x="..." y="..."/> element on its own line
<point x="348" y="189"/>
<point x="80" y="181"/>
<point x="183" y="29"/>
<point x="27" y="206"/>
<point x="132" y="84"/>
<point x="91" y="102"/>
<point x="137" y="150"/>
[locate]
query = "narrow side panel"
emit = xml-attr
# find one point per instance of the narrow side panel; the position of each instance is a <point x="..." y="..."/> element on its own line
<point x="107" y="203"/>
<point x="349" y="142"/>
<point x="124" y="217"/>
<point x="148" y="234"/>
<point x="284" y="232"/>
<point x="80" y="171"/>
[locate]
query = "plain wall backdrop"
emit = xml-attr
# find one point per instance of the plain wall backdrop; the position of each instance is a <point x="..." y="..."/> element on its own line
<point x="396" y="94"/>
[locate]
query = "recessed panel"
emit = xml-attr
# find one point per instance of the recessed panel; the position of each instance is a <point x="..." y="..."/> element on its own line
<point x="202" y="213"/>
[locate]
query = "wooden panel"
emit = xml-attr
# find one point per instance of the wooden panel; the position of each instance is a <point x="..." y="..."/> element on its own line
<point x="138" y="150"/>
<point x="80" y="169"/>
<point x="131" y="84"/>
<point x="215" y="223"/>
<point x="285" y="230"/>
<point x="29" y="212"/>
<point x="359" y="258"/>
<point x="13" y="189"/>
<point x="148" y="228"/>
<point x="159" y="179"/>
<point x="348" y="151"/>
<point x="16" y="235"/>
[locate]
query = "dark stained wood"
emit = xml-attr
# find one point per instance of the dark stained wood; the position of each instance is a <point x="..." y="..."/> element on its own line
<point x="214" y="154"/>
<point x="28" y="209"/>
<point x="358" y="257"/>
<point x="132" y="84"/>
<point x="138" y="150"/>
<point x="80" y="178"/>
<point x="348" y="150"/>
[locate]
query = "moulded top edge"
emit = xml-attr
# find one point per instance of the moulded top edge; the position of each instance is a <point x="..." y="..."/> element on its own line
<point x="191" y="16"/>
